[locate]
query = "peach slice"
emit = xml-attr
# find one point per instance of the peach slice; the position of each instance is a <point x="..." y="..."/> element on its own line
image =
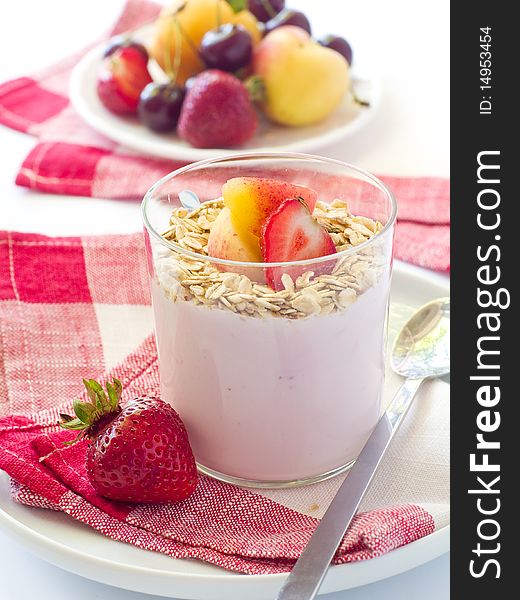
<point x="252" y="200"/>
<point x="224" y="242"/>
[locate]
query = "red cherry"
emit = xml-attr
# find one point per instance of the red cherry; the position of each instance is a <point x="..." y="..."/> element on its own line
<point x="160" y="106"/>
<point x="228" y="47"/>
<point x="288" y="17"/>
<point x="338" y="44"/>
<point x="265" y="9"/>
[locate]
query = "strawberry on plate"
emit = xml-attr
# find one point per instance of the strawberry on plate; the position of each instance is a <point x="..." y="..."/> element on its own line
<point x="217" y="112"/>
<point x="137" y="453"/>
<point x="291" y="233"/>
<point x="124" y="41"/>
<point x="122" y="77"/>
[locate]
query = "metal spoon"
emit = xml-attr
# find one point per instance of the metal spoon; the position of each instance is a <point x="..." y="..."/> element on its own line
<point x="420" y="351"/>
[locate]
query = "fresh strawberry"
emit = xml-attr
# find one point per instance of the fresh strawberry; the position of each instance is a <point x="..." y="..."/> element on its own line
<point x="291" y="233"/>
<point x="217" y="112"/>
<point x="123" y="41"/>
<point x="122" y="78"/>
<point x="137" y="453"/>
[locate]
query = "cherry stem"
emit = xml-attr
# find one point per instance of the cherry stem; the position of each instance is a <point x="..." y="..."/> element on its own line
<point x="168" y="56"/>
<point x="256" y="88"/>
<point x="189" y="41"/>
<point x="358" y="100"/>
<point x="268" y="8"/>
<point x="178" y="52"/>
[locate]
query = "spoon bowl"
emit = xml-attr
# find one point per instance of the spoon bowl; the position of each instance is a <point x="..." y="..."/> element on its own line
<point x="422" y="348"/>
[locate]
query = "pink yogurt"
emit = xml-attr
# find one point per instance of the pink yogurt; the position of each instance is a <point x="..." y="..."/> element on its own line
<point x="273" y="399"/>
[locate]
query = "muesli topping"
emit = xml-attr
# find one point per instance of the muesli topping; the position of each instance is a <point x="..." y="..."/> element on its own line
<point x="198" y="280"/>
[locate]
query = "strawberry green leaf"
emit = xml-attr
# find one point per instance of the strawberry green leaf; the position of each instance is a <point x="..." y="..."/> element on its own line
<point x="85" y="411"/>
<point x="95" y="386"/>
<point x="90" y="391"/>
<point x="97" y="395"/>
<point x="237" y="5"/>
<point x="75" y="425"/>
<point x="75" y="440"/>
<point x="255" y="86"/>
<point x="114" y="393"/>
<point x="89" y="413"/>
<point x="119" y="387"/>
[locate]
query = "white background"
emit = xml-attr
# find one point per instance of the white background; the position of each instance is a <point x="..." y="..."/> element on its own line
<point x="408" y="42"/>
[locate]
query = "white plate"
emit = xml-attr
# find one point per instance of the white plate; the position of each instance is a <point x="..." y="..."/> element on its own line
<point x="75" y="547"/>
<point x="345" y="120"/>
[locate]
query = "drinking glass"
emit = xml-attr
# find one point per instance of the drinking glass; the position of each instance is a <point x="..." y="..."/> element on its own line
<point x="277" y="387"/>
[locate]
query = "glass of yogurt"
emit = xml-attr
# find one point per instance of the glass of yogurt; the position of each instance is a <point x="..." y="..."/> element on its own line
<point x="276" y="368"/>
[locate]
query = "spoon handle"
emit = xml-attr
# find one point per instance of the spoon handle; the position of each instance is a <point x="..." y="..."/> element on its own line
<point x="309" y="570"/>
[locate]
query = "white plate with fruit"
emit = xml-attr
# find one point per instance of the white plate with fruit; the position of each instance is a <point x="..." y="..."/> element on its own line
<point x="226" y="81"/>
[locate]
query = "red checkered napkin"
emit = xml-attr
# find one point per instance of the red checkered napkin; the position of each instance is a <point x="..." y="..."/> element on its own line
<point x="70" y="158"/>
<point x="66" y="305"/>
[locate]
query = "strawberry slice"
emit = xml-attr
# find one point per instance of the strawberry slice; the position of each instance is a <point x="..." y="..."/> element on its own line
<point x="123" y="76"/>
<point x="252" y="200"/>
<point x="291" y="233"/>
